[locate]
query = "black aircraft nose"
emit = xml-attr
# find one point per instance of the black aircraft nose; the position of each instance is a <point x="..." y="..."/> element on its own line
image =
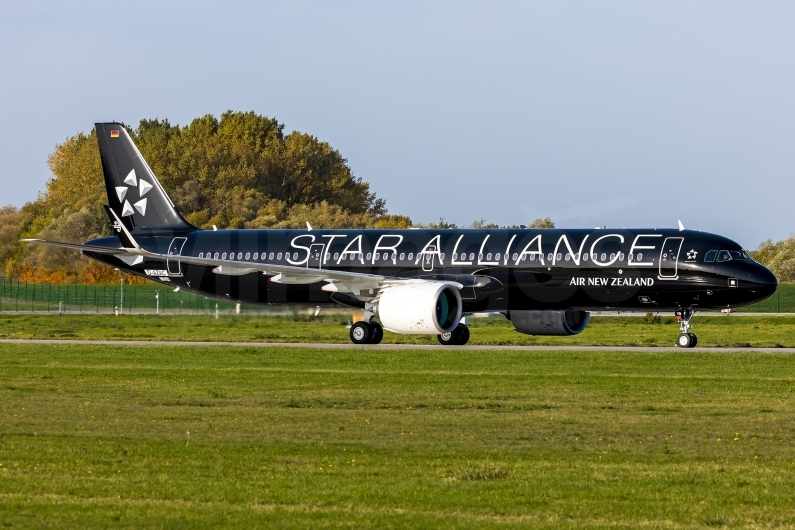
<point x="764" y="281"/>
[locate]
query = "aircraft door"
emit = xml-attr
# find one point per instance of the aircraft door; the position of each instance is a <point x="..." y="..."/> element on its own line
<point x="315" y="260"/>
<point x="175" y="249"/>
<point x="428" y="258"/>
<point x="669" y="258"/>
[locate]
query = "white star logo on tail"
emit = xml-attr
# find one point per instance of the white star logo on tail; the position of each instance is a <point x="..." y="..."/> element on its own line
<point x="143" y="187"/>
<point x="141" y="206"/>
<point x="127" y="209"/>
<point x="130" y="179"/>
<point x="121" y="191"/>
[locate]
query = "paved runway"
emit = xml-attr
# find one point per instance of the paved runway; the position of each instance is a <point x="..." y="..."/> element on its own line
<point x="392" y="346"/>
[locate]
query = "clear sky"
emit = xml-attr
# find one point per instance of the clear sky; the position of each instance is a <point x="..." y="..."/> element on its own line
<point x="596" y="113"/>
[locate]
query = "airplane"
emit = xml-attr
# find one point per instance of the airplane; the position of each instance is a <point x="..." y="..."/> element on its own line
<point x="420" y="281"/>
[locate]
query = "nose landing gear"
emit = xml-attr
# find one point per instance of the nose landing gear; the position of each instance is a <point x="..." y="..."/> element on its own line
<point x="685" y="339"/>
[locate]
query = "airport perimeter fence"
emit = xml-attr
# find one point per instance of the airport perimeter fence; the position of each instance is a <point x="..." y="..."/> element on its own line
<point x="16" y="296"/>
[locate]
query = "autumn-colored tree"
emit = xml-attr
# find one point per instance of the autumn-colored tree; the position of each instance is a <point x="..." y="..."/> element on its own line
<point x="239" y="171"/>
<point x="545" y="222"/>
<point x="779" y="257"/>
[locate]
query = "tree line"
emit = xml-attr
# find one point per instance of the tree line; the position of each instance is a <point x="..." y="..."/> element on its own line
<point x="237" y="171"/>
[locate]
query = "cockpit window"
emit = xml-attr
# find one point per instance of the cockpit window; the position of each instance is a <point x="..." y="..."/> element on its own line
<point x="710" y="256"/>
<point x="740" y="254"/>
<point x="724" y="255"/>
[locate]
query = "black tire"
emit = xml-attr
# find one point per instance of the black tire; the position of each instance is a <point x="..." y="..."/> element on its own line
<point x="463" y="334"/>
<point x="360" y="333"/>
<point x="684" y="340"/>
<point x="458" y="337"/>
<point x="448" y="339"/>
<point x="693" y="340"/>
<point x="376" y="333"/>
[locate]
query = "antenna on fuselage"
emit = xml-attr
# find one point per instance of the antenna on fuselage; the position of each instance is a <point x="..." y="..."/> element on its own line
<point x="681" y="226"/>
<point x="308" y="226"/>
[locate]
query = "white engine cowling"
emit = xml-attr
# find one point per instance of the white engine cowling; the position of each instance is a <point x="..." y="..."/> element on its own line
<point x="420" y="307"/>
<point x="565" y="322"/>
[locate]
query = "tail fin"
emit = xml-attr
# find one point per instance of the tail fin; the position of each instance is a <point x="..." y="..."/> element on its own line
<point x="134" y="193"/>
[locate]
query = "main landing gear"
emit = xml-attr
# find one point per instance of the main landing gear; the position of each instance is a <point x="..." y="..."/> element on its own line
<point x="685" y="339"/>
<point x="366" y="332"/>
<point x="458" y="337"/>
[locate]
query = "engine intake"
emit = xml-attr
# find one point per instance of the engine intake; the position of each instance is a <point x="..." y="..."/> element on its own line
<point x="421" y="307"/>
<point x="565" y="322"/>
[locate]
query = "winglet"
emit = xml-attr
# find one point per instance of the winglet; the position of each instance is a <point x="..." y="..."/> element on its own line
<point x="681" y="226"/>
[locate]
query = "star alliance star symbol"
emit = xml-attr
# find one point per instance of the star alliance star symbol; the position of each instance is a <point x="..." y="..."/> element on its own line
<point x="691" y="255"/>
<point x="143" y="187"/>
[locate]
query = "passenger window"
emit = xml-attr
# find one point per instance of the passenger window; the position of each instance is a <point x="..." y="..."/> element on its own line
<point x="411" y="255"/>
<point x="215" y="256"/>
<point x="295" y="256"/>
<point x="223" y="256"/>
<point x="270" y="256"/>
<point x="585" y="257"/>
<point x="279" y="255"/>
<point x="532" y="257"/>
<point x="441" y="256"/>
<point x="488" y="256"/>
<point x="201" y="254"/>
<point x="568" y="256"/>
<point x="471" y="256"/>
<point x="497" y="256"/>
<point x="256" y="256"/>
<point x="723" y="255"/>
<point x="604" y="256"/>
<point x="558" y="256"/>
<point x="248" y="255"/>
<point x="515" y="256"/>
<point x="369" y="255"/>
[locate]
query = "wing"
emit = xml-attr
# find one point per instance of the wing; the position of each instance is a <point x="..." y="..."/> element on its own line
<point x="362" y="285"/>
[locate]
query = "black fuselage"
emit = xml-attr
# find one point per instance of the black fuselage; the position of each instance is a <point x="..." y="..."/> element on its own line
<point x="500" y="269"/>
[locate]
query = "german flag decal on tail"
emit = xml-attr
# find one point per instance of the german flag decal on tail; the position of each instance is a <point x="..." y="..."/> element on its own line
<point x="114" y="134"/>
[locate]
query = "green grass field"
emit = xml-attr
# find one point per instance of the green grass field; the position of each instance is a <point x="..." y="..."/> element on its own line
<point x="194" y="437"/>
<point x="769" y="331"/>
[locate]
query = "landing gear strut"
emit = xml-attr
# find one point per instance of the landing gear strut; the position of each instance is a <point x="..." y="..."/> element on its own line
<point x="685" y="339"/>
<point x="366" y="332"/>
<point x="458" y="337"/>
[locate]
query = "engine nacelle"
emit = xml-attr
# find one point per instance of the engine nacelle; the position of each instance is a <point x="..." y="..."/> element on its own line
<point x="565" y="322"/>
<point x="420" y="307"/>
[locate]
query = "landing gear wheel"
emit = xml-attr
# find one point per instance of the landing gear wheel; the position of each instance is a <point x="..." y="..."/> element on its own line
<point x="447" y="339"/>
<point x="458" y="337"/>
<point x="376" y="333"/>
<point x="464" y="337"/>
<point x="360" y="333"/>
<point x="684" y="340"/>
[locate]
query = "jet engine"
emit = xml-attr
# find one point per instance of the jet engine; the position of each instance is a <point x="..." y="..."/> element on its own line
<point x="420" y="307"/>
<point x="565" y="322"/>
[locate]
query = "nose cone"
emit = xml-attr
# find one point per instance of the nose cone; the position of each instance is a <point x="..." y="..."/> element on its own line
<point x="764" y="281"/>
